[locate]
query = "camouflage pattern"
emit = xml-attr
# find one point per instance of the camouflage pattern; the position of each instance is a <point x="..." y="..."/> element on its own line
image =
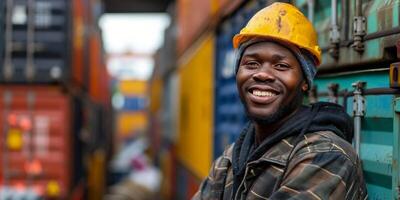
<point x="321" y="166"/>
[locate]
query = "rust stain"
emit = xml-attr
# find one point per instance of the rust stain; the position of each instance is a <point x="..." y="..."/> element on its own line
<point x="279" y="24"/>
<point x="282" y="13"/>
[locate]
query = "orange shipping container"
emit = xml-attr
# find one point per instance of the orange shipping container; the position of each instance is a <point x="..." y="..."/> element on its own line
<point x="130" y="123"/>
<point x="80" y="18"/>
<point x="98" y="85"/>
<point x="35" y="125"/>
<point x="133" y="87"/>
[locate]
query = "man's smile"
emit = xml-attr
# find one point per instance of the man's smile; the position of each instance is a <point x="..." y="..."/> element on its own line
<point x="262" y="94"/>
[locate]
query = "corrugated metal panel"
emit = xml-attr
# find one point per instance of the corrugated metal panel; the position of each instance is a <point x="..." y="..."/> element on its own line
<point x="377" y="134"/>
<point x="38" y="41"/>
<point x="382" y="32"/>
<point x="36" y="126"/>
<point x="229" y="113"/>
<point x="196" y="108"/>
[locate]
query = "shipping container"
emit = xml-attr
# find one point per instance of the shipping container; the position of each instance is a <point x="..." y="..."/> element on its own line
<point x="133" y="87"/>
<point x="99" y="90"/>
<point x="154" y="114"/>
<point x="349" y="67"/>
<point x="192" y="18"/>
<point x="134" y="103"/>
<point x="79" y="43"/>
<point x="194" y="146"/>
<point x="36" y="128"/>
<point x="130" y="124"/>
<point x="35" y="46"/>
<point x="187" y="183"/>
<point x="168" y="167"/>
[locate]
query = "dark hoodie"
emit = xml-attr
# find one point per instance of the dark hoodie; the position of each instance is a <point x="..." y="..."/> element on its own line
<point x="320" y="116"/>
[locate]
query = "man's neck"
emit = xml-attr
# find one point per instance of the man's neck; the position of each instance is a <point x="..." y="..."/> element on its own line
<point x="262" y="131"/>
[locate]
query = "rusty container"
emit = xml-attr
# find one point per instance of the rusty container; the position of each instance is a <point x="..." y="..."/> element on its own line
<point x="36" y="152"/>
<point x="98" y="76"/>
<point x="193" y="17"/>
<point x="79" y="43"/>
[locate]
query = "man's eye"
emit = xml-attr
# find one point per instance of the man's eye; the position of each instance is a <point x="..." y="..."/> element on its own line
<point x="251" y="64"/>
<point x="282" y="66"/>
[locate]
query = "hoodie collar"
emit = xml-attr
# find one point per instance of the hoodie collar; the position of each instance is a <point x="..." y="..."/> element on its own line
<point x="328" y="117"/>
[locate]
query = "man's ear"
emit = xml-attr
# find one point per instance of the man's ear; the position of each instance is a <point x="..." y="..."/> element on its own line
<point x="304" y="86"/>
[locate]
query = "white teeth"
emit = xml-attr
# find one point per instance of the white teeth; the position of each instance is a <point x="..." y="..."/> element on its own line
<point x="263" y="93"/>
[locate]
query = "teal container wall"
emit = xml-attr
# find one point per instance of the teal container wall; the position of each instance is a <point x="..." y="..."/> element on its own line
<point x="377" y="135"/>
<point x="380" y="125"/>
<point x="382" y="31"/>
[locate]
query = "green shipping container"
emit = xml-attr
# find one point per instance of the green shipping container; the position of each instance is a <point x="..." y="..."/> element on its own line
<point x="344" y="65"/>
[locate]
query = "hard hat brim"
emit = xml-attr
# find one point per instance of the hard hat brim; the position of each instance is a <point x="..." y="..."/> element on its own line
<point x="239" y="39"/>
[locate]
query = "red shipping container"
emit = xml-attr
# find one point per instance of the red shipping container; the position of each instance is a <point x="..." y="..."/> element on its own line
<point x="193" y="185"/>
<point x="35" y="125"/>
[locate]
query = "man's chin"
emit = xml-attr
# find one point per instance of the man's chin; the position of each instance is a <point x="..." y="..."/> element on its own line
<point x="266" y="119"/>
<point x="269" y="118"/>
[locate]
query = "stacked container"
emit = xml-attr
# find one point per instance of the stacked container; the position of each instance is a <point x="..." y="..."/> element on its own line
<point x="358" y="76"/>
<point x="55" y="99"/>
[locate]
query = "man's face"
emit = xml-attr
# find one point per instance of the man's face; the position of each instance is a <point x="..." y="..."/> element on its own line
<point x="270" y="82"/>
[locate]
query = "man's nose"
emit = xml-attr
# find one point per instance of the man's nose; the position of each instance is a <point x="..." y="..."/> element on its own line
<point x="264" y="74"/>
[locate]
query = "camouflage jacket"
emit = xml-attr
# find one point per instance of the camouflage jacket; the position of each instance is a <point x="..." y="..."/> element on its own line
<point x="321" y="166"/>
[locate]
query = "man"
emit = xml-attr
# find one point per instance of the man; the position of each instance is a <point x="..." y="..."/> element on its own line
<point x="287" y="151"/>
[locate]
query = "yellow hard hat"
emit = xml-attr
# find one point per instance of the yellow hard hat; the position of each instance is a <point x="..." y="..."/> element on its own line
<point x="282" y="22"/>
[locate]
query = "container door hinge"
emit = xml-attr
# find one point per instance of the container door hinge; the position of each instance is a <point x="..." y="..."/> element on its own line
<point x="359" y="33"/>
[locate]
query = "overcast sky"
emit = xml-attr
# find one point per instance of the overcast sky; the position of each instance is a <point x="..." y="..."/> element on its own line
<point x="137" y="33"/>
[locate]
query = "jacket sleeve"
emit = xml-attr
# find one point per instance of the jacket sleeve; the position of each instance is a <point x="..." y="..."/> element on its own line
<point x="322" y="175"/>
<point x="213" y="186"/>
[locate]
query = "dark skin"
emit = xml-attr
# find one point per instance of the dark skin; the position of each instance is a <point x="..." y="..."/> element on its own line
<point x="271" y="85"/>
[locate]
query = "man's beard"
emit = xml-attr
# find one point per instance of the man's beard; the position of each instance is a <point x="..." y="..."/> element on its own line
<point x="283" y="111"/>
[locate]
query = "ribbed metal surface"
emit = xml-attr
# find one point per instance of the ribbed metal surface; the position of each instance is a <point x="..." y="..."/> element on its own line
<point x="35" y="35"/>
<point x="377" y="134"/>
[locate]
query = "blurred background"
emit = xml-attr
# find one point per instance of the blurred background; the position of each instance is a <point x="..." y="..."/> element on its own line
<point x="134" y="99"/>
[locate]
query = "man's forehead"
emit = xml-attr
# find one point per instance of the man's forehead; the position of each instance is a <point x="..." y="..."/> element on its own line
<point x="278" y="51"/>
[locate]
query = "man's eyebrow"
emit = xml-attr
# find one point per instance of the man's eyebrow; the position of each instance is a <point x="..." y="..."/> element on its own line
<point x="253" y="54"/>
<point x="278" y="57"/>
<point x="275" y="57"/>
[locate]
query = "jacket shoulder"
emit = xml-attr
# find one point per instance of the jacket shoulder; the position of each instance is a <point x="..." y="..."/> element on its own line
<point x="326" y="142"/>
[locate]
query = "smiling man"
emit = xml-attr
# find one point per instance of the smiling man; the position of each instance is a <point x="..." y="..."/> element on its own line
<point x="287" y="150"/>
